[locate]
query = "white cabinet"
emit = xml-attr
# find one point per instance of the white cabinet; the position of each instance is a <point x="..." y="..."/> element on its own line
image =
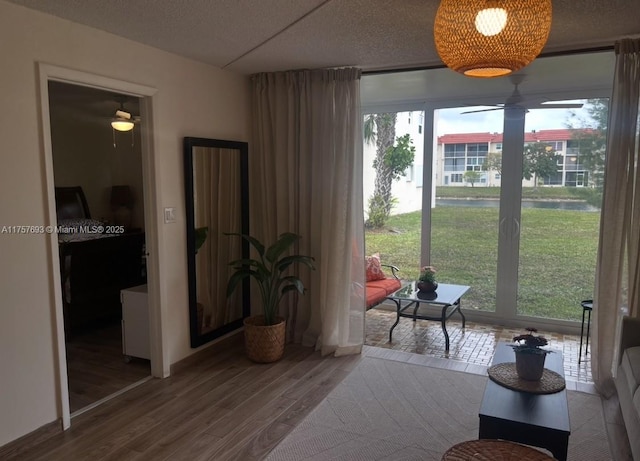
<point x="135" y="322"/>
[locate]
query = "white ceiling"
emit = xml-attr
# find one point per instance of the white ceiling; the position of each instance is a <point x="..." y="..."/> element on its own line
<point x="249" y="36"/>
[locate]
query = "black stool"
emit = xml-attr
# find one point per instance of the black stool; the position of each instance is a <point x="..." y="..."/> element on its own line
<point x="587" y="306"/>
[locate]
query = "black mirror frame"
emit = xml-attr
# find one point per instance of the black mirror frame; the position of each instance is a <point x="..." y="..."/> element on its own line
<point x="243" y="148"/>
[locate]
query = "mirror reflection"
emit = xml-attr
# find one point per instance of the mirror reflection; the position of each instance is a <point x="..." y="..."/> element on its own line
<point x="216" y="203"/>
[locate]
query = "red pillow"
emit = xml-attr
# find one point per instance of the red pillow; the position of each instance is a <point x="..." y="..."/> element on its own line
<point x="374" y="269"/>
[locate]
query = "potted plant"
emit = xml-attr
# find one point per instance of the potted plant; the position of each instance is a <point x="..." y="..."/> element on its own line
<point x="265" y="334"/>
<point x="427" y="280"/>
<point x="530" y="356"/>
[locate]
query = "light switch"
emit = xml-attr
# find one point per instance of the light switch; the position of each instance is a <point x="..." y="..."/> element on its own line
<point x="169" y="215"/>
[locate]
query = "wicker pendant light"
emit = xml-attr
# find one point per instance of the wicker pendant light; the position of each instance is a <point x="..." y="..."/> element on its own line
<point x="490" y="38"/>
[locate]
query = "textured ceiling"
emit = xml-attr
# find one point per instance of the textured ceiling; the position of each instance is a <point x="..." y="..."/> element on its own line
<point x="249" y="36"/>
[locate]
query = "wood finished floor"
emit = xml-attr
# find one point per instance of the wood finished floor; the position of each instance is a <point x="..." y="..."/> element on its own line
<point x="96" y="366"/>
<point x="217" y="405"/>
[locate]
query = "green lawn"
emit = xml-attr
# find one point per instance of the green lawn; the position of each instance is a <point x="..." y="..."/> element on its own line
<point x="530" y="193"/>
<point x="557" y="255"/>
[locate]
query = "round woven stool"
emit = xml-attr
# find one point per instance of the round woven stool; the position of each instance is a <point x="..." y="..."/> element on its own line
<point x="493" y="450"/>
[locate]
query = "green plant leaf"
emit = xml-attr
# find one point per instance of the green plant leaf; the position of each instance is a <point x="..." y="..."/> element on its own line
<point x="293" y="283"/>
<point x="235" y="278"/>
<point x="267" y="272"/>
<point x="280" y="246"/>
<point x="253" y="241"/>
<point x="288" y="260"/>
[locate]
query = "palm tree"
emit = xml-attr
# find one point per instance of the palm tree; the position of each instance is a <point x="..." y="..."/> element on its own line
<point x="381" y="129"/>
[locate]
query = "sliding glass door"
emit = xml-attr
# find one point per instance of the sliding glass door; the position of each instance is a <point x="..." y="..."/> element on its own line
<point x="464" y="216"/>
<point x="516" y="212"/>
<point x="560" y="216"/>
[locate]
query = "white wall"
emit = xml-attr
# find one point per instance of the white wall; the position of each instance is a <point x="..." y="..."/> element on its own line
<point x="192" y="100"/>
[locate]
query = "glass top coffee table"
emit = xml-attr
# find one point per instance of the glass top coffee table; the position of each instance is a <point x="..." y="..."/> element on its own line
<point x="447" y="297"/>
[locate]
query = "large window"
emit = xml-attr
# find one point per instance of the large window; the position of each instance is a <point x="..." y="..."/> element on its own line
<point x="454" y="158"/>
<point x="522" y="257"/>
<point x="526" y="247"/>
<point x="454" y="164"/>
<point x="465" y="157"/>
<point x="555" y="145"/>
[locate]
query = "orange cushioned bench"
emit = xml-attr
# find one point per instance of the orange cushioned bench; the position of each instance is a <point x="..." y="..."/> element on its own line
<point x="378" y="285"/>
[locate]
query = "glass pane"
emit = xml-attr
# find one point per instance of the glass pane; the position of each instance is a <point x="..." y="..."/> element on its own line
<point x="395" y="232"/>
<point x="464" y="228"/>
<point x="561" y="212"/>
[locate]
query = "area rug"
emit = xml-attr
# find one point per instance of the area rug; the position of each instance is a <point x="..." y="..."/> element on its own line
<point x="390" y="410"/>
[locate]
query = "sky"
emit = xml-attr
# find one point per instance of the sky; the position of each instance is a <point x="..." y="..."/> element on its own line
<point x="452" y="121"/>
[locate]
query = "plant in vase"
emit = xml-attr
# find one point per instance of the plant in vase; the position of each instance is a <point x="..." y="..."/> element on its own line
<point x="530" y="355"/>
<point x="265" y="334"/>
<point x="427" y="280"/>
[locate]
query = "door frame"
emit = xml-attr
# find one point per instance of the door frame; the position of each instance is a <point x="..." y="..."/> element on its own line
<point x="159" y="359"/>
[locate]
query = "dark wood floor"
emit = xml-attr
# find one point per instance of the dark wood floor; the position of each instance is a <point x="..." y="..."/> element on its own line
<point x="216" y="405"/>
<point x="96" y="366"/>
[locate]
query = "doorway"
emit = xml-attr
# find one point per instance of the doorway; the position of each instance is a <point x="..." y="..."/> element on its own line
<point x="158" y="360"/>
<point x="99" y="198"/>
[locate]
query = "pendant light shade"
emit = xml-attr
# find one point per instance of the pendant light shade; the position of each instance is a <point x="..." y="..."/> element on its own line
<point x="490" y="38"/>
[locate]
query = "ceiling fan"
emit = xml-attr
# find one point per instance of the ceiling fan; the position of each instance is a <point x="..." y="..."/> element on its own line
<point x="517" y="101"/>
<point x="123" y="120"/>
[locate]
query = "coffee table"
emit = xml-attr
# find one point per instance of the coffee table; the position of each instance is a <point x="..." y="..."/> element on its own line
<point x="540" y="420"/>
<point x="447" y="296"/>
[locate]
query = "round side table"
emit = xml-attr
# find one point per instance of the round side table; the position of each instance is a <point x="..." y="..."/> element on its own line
<point x="493" y="450"/>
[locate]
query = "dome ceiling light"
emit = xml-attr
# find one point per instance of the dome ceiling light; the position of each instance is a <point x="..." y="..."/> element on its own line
<point x="122" y="121"/>
<point x="491" y="38"/>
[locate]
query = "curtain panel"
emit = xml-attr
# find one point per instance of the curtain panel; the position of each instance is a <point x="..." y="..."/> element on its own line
<point x="216" y="190"/>
<point x="306" y="178"/>
<point x="618" y="271"/>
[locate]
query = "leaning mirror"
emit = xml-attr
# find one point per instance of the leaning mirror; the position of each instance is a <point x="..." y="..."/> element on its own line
<point x="216" y="193"/>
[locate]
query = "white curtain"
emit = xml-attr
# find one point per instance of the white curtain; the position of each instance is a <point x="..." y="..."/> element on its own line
<point x="216" y="195"/>
<point x="306" y="177"/>
<point x="618" y="271"/>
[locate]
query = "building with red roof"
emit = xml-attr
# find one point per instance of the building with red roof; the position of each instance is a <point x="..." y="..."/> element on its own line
<point x="458" y="153"/>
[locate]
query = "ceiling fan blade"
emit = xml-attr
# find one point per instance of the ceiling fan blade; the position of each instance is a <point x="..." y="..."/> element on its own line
<point x="481" y="110"/>
<point x="564" y="105"/>
<point x="483" y="105"/>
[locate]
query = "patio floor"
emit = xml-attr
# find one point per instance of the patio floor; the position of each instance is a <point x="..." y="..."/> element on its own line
<point x="475" y="344"/>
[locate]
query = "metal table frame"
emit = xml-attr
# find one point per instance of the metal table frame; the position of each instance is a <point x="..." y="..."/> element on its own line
<point x="447" y="295"/>
<point x="587" y="307"/>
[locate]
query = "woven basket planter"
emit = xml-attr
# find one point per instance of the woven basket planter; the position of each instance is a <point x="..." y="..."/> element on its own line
<point x="264" y="343"/>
